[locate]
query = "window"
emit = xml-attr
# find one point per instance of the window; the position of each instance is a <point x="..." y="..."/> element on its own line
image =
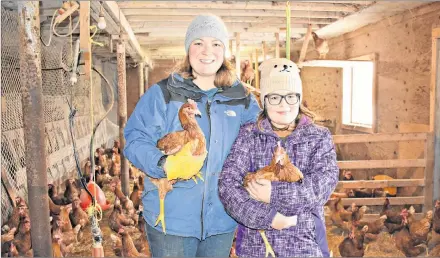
<point x="358" y="91"/>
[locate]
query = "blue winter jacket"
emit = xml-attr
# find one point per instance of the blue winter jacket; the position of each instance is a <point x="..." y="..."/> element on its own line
<point x="191" y="210"/>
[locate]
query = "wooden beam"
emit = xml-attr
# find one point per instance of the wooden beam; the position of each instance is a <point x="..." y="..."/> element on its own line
<point x="229" y="19"/>
<point x="277" y="45"/>
<point x="380" y="183"/>
<point x="264" y="49"/>
<point x="232" y="12"/>
<point x="257" y="72"/>
<point x="113" y="8"/>
<point x="435" y="82"/>
<point x="237" y="55"/>
<point x="85" y="44"/>
<point x="237" y="5"/>
<point x="180" y="29"/>
<point x="435" y="60"/>
<point x="30" y="75"/>
<point x="122" y="114"/>
<point x="303" y="52"/>
<point x="390" y="163"/>
<point x="382" y="137"/>
<point x="429" y="172"/>
<point x="370" y="217"/>
<point x="379" y="201"/>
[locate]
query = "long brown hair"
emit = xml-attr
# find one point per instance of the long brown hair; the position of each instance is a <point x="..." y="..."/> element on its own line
<point x="225" y="76"/>
<point x="303" y="111"/>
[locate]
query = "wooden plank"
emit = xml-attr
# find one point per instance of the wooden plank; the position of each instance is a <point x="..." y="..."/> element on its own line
<point x="370" y="217"/>
<point x="181" y="30"/>
<point x="434" y="63"/>
<point x="303" y="52"/>
<point x="117" y="14"/>
<point x="436" y="168"/>
<point x="257" y="76"/>
<point x="382" y="137"/>
<point x="84" y="39"/>
<point x="236" y="5"/>
<point x="390" y="163"/>
<point x="235" y="19"/>
<point x="429" y="172"/>
<point x="381" y="183"/>
<point x="237" y="55"/>
<point x="231" y="13"/>
<point x="379" y="201"/>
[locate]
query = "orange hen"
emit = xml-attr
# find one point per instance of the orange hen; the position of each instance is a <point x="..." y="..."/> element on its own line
<point x="279" y="169"/>
<point x="173" y="142"/>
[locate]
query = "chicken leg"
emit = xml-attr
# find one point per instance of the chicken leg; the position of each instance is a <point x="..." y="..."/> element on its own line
<point x="163" y="186"/>
<point x="269" y="249"/>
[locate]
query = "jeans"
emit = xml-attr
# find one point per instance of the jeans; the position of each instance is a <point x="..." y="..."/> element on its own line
<point x="167" y="245"/>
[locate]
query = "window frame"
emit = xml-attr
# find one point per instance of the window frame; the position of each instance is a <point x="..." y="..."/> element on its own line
<point x="346" y="75"/>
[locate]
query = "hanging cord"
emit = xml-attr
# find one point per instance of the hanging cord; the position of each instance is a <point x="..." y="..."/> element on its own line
<point x="94" y="211"/>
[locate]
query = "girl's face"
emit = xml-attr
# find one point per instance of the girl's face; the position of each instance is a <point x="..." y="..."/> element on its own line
<point x="206" y="56"/>
<point x="282" y="107"/>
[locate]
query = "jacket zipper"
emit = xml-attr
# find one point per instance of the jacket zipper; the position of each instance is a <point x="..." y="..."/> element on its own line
<point x="208" y="113"/>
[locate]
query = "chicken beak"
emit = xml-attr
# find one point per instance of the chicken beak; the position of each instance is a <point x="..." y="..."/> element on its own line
<point x="197" y="113"/>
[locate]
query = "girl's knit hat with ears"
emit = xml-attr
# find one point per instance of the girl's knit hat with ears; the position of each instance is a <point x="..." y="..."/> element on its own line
<point x="279" y="74"/>
<point x="207" y="25"/>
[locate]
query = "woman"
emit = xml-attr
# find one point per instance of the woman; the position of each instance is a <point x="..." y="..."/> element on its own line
<point x="196" y="222"/>
<point x="291" y="214"/>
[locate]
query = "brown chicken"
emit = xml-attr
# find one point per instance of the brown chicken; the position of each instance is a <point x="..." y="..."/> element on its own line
<point x="279" y="169"/>
<point x="419" y="229"/>
<point x="78" y="217"/>
<point x="247" y="73"/>
<point x="357" y="213"/>
<point x="56" y="246"/>
<point x="67" y="237"/>
<point x="22" y="239"/>
<point x="406" y="244"/>
<point x="173" y="143"/>
<point x="135" y="196"/>
<point x="72" y="191"/>
<point x="374" y="227"/>
<point x="436" y="218"/>
<point x="58" y="199"/>
<point x="117" y="219"/>
<point x="123" y="245"/>
<point x="353" y="245"/>
<point x="395" y="220"/>
<point x="339" y="216"/>
<point x="126" y="203"/>
<point x="115" y="169"/>
<point x="321" y="46"/>
<point x="18" y="211"/>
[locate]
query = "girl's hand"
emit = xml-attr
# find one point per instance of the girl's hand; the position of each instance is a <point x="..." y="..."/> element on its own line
<point x="260" y="190"/>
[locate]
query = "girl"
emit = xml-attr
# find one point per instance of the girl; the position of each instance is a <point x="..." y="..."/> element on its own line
<point x="291" y="214"/>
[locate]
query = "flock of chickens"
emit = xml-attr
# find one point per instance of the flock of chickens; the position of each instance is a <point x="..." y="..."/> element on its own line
<point x="69" y="220"/>
<point x="412" y="237"/>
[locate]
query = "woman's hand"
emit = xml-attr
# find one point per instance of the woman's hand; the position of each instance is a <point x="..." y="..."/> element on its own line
<point x="280" y="221"/>
<point x="260" y="190"/>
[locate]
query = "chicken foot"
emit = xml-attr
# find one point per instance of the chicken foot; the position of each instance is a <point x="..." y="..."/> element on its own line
<point x="163" y="186"/>
<point x="269" y="249"/>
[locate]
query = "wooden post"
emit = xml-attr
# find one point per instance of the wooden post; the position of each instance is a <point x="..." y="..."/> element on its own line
<point x="264" y="50"/>
<point x="302" y="55"/>
<point x="33" y="126"/>
<point x="435" y="110"/>
<point x="237" y="55"/>
<point x="277" y="45"/>
<point x="122" y="113"/>
<point x="429" y="168"/>
<point x="257" y="76"/>
<point x="141" y="79"/>
<point x="146" y="73"/>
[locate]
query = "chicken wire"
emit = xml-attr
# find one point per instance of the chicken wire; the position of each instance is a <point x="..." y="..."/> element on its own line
<point x="57" y="89"/>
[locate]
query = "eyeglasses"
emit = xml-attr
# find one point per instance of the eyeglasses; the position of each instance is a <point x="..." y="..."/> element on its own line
<point x="291" y="99"/>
